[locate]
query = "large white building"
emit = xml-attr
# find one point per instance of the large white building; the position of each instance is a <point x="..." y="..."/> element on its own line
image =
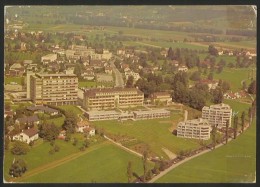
<point x="217" y="115"/>
<point x="99" y="99"/>
<point x="49" y="58"/>
<point x="27" y="135"/>
<point x="195" y="128"/>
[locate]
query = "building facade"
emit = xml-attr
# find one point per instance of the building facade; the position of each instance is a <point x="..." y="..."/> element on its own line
<point x="54" y="89"/>
<point x="195" y="128"/>
<point x="161" y="97"/>
<point x="112" y="98"/>
<point x="151" y="114"/>
<point x="217" y="115"/>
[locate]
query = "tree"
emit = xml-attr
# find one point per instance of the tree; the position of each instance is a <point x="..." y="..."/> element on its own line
<point x="212" y="50"/>
<point x="130" y="82"/>
<point x="129" y="171"/>
<point x="18" y="167"/>
<point x="213" y="134"/>
<point x="48" y="131"/>
<point x="145" y="158"/>
<point x="243" y="121"/>
<point x="252" y="87"/>
<point x="235" y="126"/>
<point x="195" y="76"/>
<point x="226" y="133"/>
<point x="217" y="96"/>
<point x="20" y="148"/>
<point x="210" y="76"/>
<point x="155" y="170"/>
<point x="170" y="53"/>
<point x="75" y="142"/>
<point x="70" y="122"/>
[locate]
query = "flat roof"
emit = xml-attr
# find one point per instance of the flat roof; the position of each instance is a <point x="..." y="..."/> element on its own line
<point x="151" y="111"/>
<point x="102" y="112"/>
<point x="55" y="75"/>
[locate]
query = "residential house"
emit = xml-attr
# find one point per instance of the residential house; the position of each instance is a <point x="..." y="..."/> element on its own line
<point x="88" y="75"/>
<point x="212" y="84"/>
<point x="27" y="62"/>
<point x="183" y="68"/>
<point x="82" y="125"/>
<point x="16" y="70"/>
<point x="30" y="120"/>
<point x="90" y="131"/>
<point x="43" y="109"/>
<point x="27" y="135"/>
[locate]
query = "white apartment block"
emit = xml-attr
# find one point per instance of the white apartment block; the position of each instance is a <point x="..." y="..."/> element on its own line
<point x="136" y="76"/>
<point x="217" y="114"/>
<point x="195" y="128"/>
<point x="105" y="98"/>
<point x="55" y="89"/>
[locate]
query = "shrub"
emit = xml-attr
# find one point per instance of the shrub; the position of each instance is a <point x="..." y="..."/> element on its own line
<point x="20" y="148"/>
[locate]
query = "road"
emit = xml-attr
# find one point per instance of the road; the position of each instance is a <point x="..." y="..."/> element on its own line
<point x="119" y="82"/>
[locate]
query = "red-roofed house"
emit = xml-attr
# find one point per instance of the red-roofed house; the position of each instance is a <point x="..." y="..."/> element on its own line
<point x="27" y="135"/>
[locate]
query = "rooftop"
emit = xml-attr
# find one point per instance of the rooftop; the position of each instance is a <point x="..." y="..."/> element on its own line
<point x="31" y="132"/>
<point x="93" y="92"/>
<point x="28" y="119"/>
<point x="151" y="111"/>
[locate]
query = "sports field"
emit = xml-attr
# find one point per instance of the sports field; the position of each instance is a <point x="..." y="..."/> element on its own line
<point x="234" y="162"/>
<point x="107" y="164"/>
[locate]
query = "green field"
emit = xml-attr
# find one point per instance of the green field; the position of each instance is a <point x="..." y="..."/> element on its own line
<point x="18" y="80"/>
<point x="235" y="162"/>
<point x="88" y="84"/>
<point x="104" y="165"/>
<point x="155" y="133"/>
<point x="173" y="45"/>
<point x="57" y="121"/>
<point x="234" y="77"/>
<point x="71" y="108"/>
<point x="39" y="155"/>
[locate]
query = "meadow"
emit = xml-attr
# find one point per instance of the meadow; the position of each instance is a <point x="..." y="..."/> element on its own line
<point x="156" y="133"/>
<point x="93" y="167"/>
<point x="18" y="80"/>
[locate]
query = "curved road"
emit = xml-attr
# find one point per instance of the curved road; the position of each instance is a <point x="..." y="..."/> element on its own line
<point x="119" y="82"/>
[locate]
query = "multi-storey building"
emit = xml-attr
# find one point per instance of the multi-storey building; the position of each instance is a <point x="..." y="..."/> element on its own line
<point x="112" y="98"/>
<point x="55" y="89"/>
<point x="217" y="115"/>
<point x="195" y="128"/>
<point x="162" y="97"/>
<point x="151" y="114"/>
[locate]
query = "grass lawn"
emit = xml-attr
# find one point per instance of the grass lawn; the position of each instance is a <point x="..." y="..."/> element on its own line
<point x="235" y="162"/>
<point x="57" y="121"/>
<point x="155" y="133"/>
<point x="18" y="80"/>
<point x="173" y="45"/>
<point x="71" y="108"/>
<point x="233" y="76"/>
<point x="88" y="84"/>
<point x="106" y="164"/>
<point x="39" y="155"/>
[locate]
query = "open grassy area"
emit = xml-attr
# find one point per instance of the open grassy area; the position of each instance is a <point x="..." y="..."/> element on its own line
<point x="18" y="80"/>
<point x="234" y="77"/>
<point x="173" y="45"/>
<point x="104" y="165"/>
<point x="88" y="84"/>
<point x="155" y="133"/>
<point x="71" y="108"/>
<point x="57" y="121"/>
<point x="234" y="162"/>
<point x="39" y="155"/>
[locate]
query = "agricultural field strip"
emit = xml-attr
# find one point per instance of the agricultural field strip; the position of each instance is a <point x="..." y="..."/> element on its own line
<point x="58" y="162"/>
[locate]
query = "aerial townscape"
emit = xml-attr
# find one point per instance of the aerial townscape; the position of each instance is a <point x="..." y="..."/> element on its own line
<point x="129" y="94"/>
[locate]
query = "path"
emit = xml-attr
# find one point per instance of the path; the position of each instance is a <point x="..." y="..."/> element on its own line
<point x="123" y="147"/>
<point x="187" y="159"/>
<point x="142" y="43"/>
<point x="170" y="154"/>
<point x="119" y="82"/>
<point x="55" y="163"/>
